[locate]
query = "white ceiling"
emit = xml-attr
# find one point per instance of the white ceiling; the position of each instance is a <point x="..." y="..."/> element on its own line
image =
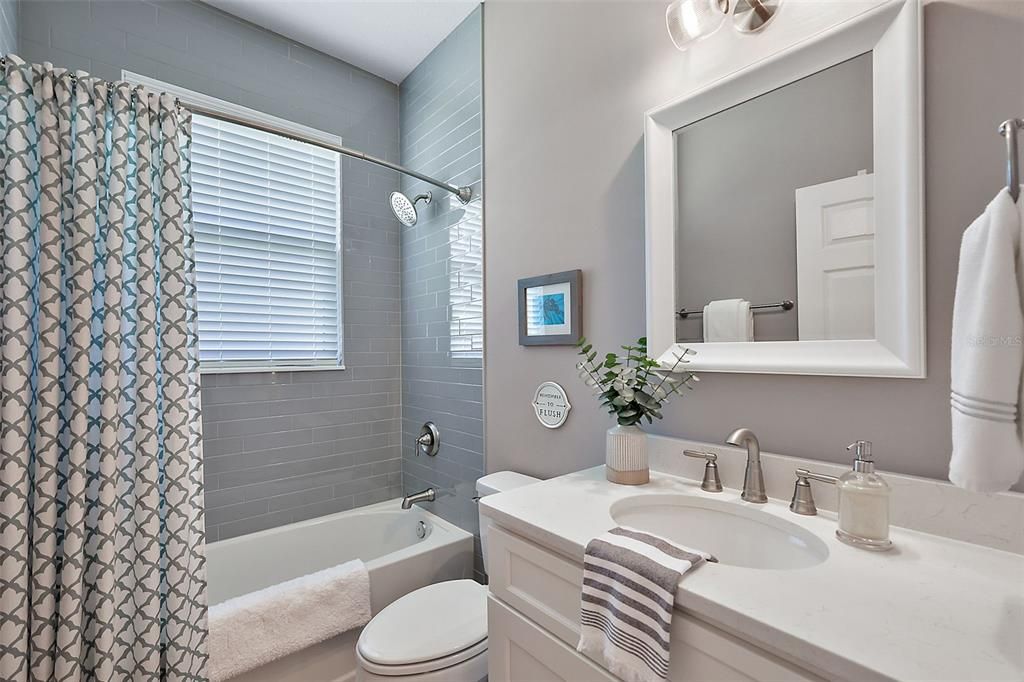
<point x="386" y="37"/>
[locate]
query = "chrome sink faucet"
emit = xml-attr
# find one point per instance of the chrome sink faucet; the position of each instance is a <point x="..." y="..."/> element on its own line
<point x="753" y="479"/>
<point x="422" y="496"/>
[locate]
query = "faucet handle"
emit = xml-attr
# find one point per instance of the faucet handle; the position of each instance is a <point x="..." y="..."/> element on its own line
<point x="803" y="499"/>
<point x="711" y="482"/>
<point x="428" y="441"/>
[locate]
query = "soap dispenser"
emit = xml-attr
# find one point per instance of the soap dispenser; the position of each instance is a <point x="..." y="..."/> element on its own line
<point x="863" y="503"/>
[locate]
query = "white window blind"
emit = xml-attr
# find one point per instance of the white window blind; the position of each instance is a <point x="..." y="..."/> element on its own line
<point x="267" y="215"/>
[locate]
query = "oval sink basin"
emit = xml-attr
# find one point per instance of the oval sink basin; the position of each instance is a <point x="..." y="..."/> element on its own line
<point x="735" y="534"/>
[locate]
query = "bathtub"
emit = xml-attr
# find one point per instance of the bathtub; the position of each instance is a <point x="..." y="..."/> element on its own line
<point x="386" y="537"/>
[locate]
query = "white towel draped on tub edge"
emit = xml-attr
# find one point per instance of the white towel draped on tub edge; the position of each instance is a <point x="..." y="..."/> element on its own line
<point x="257" y="628"/>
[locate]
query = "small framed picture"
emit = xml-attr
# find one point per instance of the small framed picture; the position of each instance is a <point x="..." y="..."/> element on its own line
<point x="549" y="309"/>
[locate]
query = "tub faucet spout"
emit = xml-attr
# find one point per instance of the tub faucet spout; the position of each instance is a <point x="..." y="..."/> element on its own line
<point x="422" y="496"/>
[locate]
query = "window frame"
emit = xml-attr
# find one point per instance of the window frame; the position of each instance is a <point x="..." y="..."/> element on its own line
<point x="303" y="134"/>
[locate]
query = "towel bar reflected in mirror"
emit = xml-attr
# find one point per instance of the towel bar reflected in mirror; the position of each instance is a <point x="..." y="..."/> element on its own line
<point x="784" y="305"/>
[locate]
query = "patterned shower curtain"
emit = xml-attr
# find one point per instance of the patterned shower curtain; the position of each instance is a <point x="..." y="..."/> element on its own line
<point x="102" y="573"/>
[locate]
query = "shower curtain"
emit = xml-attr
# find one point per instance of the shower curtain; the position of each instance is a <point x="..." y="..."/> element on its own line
<point x="102" y="571"/>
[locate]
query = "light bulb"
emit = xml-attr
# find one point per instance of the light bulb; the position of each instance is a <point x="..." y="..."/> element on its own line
<point x="691" y="20"/>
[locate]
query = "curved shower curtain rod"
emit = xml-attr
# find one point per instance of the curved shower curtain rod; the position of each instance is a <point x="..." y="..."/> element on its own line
<point x="463" y="194"/>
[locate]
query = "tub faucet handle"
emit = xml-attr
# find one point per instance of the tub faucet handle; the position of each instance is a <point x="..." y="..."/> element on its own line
<point x="429" y="440"/>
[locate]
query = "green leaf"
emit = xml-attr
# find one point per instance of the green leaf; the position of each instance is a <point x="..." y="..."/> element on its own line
<point x="647" y="400"/>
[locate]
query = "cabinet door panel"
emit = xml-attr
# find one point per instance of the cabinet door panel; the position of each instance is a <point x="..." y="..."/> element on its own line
<point x="704" y="653"/>
<point x="519" y="651"/>
<point x="538" y="584"/>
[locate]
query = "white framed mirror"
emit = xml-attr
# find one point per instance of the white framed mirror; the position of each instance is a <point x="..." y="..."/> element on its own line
<point x="784" y="201"/>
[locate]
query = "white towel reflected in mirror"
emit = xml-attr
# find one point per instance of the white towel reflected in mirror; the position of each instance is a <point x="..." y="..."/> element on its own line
<point x="728" y="320"/>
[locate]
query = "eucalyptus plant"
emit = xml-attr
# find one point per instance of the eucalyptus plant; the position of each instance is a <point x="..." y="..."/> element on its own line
<point x="633" y="386"/>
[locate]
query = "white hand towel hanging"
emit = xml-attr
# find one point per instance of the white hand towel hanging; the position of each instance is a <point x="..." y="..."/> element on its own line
<point x="728" y="319"/>
<point x="987" y="355"/>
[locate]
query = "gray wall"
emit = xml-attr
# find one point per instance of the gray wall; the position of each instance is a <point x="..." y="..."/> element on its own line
<point x="738" y="171"/>
<point x="442" y="275"/>
<point x="288" y="445"/>
<point x="578" y="129"/>
<point x="8" y="26"/>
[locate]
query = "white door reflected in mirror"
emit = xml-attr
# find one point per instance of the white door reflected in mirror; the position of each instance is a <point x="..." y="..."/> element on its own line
<point x="835" y="259"/>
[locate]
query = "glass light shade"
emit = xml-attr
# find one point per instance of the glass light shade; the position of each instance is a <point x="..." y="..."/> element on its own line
<point x="691" y="20"/>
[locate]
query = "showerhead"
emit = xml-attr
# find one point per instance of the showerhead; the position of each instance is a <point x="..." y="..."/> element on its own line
<point x="405" y="209"/>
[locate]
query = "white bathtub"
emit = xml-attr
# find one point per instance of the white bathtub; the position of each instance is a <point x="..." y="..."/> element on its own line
<point x="382" y="535"/>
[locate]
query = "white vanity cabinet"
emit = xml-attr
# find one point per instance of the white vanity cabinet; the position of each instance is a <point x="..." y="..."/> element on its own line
<point x="533" y="627"/>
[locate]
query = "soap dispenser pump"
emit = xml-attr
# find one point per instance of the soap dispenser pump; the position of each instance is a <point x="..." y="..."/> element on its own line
<point x="863" y="503"/>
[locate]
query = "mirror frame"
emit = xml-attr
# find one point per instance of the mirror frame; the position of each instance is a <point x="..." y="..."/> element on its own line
<point x="815" y="36"/>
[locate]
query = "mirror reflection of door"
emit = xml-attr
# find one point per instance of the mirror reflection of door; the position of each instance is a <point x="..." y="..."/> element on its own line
<point x="835" y="259"/>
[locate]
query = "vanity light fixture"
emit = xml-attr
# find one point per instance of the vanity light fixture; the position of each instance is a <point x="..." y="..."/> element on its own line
<point x="752" y="16"/>
<point x="690" y="21"/>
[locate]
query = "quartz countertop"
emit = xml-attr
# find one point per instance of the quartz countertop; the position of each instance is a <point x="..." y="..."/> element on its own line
<point x="930" y="609"/>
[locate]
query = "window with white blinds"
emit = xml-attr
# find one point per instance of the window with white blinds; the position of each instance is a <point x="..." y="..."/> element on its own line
<point x="267" y="215"/>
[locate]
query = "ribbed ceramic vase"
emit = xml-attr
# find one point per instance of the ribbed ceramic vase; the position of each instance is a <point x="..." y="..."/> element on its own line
<point x="626" y="456"/>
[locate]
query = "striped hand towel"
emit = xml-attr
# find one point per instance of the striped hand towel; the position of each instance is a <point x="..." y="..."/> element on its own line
<point x="629" y="586"/>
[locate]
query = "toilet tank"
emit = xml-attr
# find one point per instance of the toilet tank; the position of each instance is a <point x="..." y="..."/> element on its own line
<point x="498" y="482"/>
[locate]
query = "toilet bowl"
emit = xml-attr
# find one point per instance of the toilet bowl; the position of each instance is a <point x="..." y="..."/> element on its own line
<point x="437" y="633"/>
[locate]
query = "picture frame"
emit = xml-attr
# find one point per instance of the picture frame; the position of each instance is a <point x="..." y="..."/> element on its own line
<point x="550" y="309"/>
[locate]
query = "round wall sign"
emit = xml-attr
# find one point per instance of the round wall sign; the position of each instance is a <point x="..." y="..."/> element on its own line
<point x="551" y="404"/>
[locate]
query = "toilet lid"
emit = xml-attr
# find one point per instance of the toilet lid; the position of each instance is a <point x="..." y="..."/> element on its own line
<point x="433" y="622"/>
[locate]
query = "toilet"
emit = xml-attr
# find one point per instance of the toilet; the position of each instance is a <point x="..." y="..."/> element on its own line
<point x="437" y="633"/>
